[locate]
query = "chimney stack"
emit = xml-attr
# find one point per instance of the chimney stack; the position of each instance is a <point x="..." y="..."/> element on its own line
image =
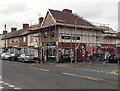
<point x="67" y="10"/>
<point x="25" y="26"/>
<point x="4" y="32"/>
<point x="41" y="20"/>
<point x="13" y="29"/>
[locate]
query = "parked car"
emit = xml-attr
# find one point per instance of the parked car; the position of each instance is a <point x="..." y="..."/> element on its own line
<point x="14" y="57"/>
<point x="5" y="56"/>
<point x="114" y="58"/>
<point x="25" y="58"/>
<point x="117" y="58"/>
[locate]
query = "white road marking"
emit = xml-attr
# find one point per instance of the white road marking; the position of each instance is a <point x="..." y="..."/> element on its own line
<point x="17" y="88"/>
<point x="1" y="88"/>
<point x="6" y="83"/>
<point x="34" y="68"/>
<point x="9" y="85"/>
<point x="40" y="69"/>
<point x="12" y="86"/>
<point x="82" y="76"/>
<point x="93" y="70"/>
<point x="1" y="82"/>
<point x="44" y="70"/>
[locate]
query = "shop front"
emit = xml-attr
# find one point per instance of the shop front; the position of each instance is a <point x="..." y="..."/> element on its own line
<point x="84" y="51"/>
<point x="49" y="51"/>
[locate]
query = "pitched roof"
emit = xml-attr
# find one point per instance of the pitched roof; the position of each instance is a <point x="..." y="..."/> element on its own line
<point x="69" y="18"/>
<point x="20" y="32"/>
<point x="14" y="34"/>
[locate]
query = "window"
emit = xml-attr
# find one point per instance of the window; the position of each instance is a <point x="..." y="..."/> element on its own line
<point x="36" y="39"/>
<point x="24" y="39"/>
<point x="53" y="34"/>
<point x="46" y="34"/>
<point x="15" y="41"/>
<point x="31" y="39"/>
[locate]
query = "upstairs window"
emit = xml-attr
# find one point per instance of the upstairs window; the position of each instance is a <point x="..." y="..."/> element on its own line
<point x="46" y="35"/>
<point x="24" y="39"/>
<point x="53" y="34"/>
<point x="31" y="39"/>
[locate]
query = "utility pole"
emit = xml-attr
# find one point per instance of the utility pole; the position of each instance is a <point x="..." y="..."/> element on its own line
<point x="5" y="38"/>
<point x="75" y="43"/>
<point x="39" y="45"/>
<point x="71" y="48"/>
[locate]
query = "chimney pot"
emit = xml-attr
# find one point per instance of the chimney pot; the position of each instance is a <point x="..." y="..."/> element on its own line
<point x="67" y="10"/>
<point x="4" y="32"/>
<point x="13" y="29"/>
<point x="41" y="20"/>
<point x="25" y="26"/>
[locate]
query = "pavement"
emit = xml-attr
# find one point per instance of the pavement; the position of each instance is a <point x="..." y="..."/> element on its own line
<point x="17" y="75"/>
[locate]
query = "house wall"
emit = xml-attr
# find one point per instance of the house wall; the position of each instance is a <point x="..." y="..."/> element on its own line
<point x="49" y="20"/>
<point x="90" y="43"/>
<point x="86" y="36"/>
<point x="33" y="44"/>
<point x="33" y="40"/>
<point x="13" y="42"/>
<point x="1" y="42"/>
<point x="23" y="41"/>
<point x="49" y="35"/>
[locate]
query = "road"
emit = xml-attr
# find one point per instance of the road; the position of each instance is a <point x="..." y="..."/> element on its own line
<point x="17" y="75"/>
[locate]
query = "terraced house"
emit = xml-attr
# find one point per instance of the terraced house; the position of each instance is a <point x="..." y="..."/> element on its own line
<point x="63" y="35"/>
<point x="17" y="40"/>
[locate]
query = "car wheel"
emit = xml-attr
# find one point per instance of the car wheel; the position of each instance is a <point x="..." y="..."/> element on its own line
<point x="23" y="60"/>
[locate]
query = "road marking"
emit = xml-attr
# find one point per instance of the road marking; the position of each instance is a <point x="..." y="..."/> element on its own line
<point x="82" y="76"/>
<point x="12" y="86"/>
<point x="1" y="88"/>
<point x="34" y="68"/>
<point x="17" y="88"/>
<point x="1" y="82"/>
<point x="92" y="70"/>
<point x="115" y="72"/>
<point x="6" y="83"/>
<point x="44" y="70"/>
<point x="40" y="69"/>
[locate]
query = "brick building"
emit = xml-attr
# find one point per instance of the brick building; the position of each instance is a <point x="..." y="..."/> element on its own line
<point x="61" y="34"/>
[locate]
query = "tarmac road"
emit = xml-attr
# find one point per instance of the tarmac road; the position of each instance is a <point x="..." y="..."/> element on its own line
<point x="17" y="75"/>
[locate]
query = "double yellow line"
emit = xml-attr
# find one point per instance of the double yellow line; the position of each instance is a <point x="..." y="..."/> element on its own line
<point x="116" y="72"/>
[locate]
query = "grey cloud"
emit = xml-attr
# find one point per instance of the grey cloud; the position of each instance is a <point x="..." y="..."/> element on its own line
<point x="13" y="8"/>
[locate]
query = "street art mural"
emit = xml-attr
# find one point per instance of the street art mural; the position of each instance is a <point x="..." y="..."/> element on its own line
<point x="87" y="52"/>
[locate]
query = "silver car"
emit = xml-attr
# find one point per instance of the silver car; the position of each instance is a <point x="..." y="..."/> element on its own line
<point x="5" y="56"/>
<point x="25" y="58"/>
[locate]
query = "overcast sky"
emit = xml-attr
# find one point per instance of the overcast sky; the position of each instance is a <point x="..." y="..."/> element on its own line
<point x="14" y="13"/>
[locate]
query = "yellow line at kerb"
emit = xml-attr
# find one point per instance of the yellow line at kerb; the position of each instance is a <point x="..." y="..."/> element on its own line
<point x="115" y="72"/>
